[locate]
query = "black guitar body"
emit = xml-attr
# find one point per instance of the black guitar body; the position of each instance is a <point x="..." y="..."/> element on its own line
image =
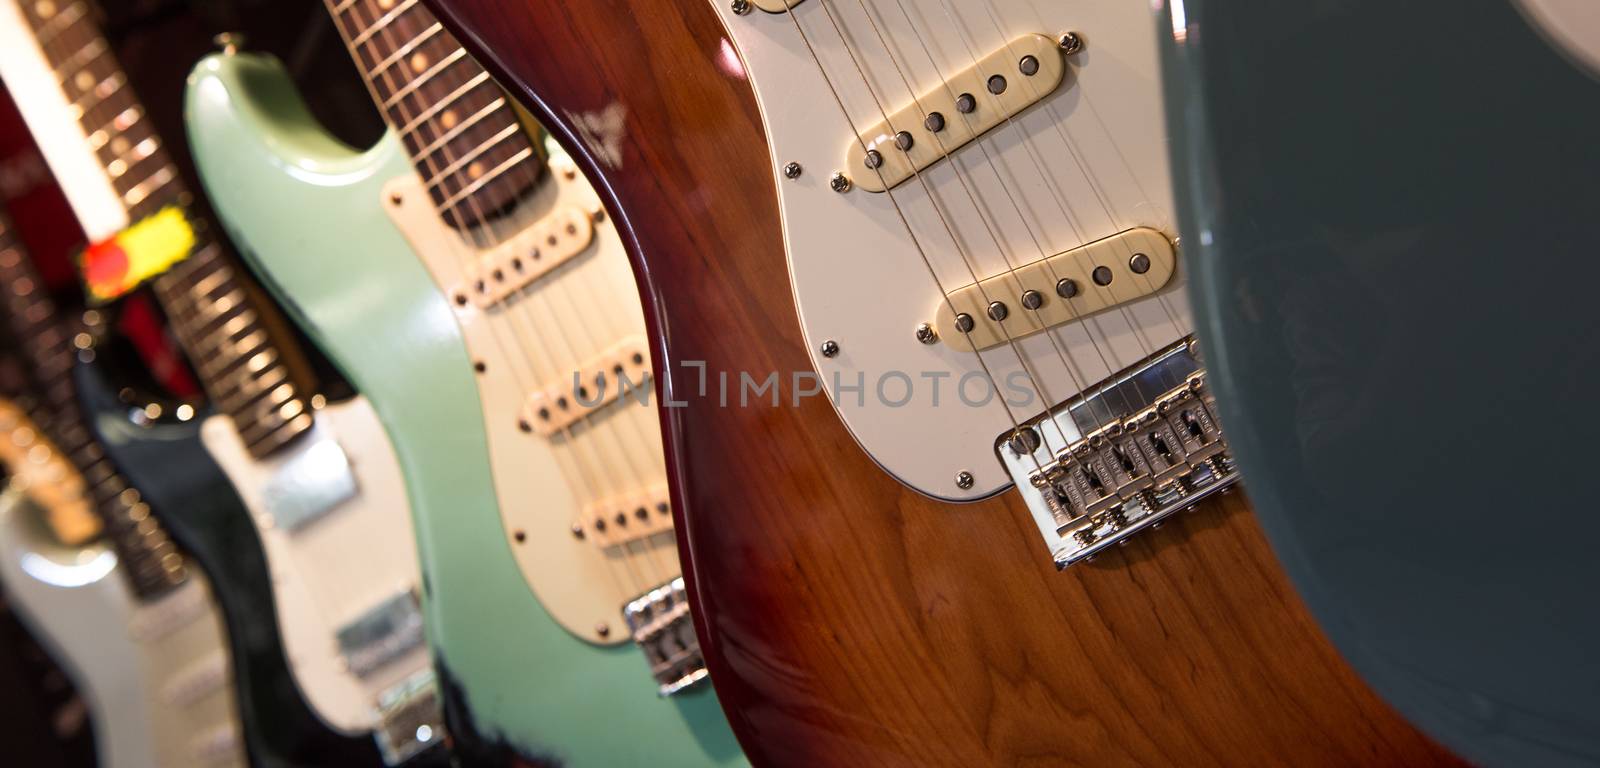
<point x="169" y="465"/>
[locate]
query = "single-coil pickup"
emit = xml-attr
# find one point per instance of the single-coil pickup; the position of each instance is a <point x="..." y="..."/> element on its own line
<point x="515" y="264"/>
<point x="1057" y="290"/>
<point x="621" y="520"/>
<point x="600" y="381"/>
<point x="961" y="108"/>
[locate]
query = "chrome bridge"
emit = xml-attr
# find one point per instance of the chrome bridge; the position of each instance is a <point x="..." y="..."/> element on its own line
<point x="1123" y="456"/>
<point x="660" y="623"/>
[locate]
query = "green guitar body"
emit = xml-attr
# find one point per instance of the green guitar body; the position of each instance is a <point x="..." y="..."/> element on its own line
<point x="306" y="211"/>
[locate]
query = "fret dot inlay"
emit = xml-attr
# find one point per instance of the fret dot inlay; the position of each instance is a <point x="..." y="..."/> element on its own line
<point x="419" y="62"/>
<point x="45" y="9"/>
<point x="449" y="119"/>
<point x="84" y="80"/>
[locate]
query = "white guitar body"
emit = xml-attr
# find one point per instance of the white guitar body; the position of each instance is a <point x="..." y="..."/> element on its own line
<point x="155" y="676"/>
<point x="1086" y="162"/>
<point x="545" y="484"/>
<point x="335" y="568"/>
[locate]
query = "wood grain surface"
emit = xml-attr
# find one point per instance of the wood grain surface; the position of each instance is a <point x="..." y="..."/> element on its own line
<point x="846" y="619"/>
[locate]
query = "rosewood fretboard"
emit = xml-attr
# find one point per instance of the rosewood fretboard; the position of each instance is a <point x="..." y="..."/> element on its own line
<point x="211" y="308"/>
<point x="464" y="136"/>
<point x="44" y="339"/>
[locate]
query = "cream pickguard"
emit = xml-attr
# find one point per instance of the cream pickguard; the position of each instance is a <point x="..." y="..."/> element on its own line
<point x="333" y="569"/>
<point x="546" y="485"/>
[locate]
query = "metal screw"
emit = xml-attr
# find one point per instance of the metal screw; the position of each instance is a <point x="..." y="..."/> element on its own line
<point x="1032" y="299"/>
<point x="602" y="629"/>
<point x="741" y="7"/>
<point x="830" y="348"/>
<point x="1025" y="441"/>
<point x="963" y="480"/>
<point x="577" y="531"/>
<point x="1140" y="263"/>
<point x="1070" y="42"/>
<point x="1028" y="66"/>
<point x="792" y="170"/>
<point x="839" y="182"/>
<point x="926" y="334"/>
<point x="998" y="311"/>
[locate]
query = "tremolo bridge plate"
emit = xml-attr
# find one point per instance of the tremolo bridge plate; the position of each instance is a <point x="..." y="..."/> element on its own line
<point x="1122" y="457"/>
<point x="660" y="623"/>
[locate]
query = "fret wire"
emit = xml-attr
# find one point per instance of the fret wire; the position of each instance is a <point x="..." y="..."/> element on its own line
<point x="98" y="46"/>
<point x="475" y="153"/>
<point x="440" y="106"/>
<point x="149" y="186"/>
<point x="486" y="178"/>
<point x="61" y="21"/>
<point x="383" y="21"/>
<point x="460" y="128"/>
<point x="400" y="53"/>
<point x="422" y="79"/>
<point x="98" y="92"/>
<point x="342" y="7"/>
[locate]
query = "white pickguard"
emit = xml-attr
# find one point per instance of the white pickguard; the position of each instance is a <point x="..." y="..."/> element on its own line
<point x="544" y="334"/>
<point x="336" y="568"/>
<point x="156" y="676"/>
<point x="1090" y="160"/>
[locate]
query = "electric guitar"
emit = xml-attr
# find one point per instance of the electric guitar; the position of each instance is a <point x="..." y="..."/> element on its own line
<point x="93" y="574"/>
<point x="317" y="481"/>
<point x="1397" y="271"/>
<point x="952" y="219"/>
<point x="463" y="278"/>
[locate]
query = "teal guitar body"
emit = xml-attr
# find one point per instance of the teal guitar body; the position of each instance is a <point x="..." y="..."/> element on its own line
<point x="307" y="213"/>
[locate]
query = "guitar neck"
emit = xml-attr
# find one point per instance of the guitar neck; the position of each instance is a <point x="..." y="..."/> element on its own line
<point x="154" y="565"/>
<point x="213" y="311"/>
<point x="464" y="136"/>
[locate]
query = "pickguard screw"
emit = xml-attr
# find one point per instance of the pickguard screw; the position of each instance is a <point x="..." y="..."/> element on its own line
<point x="741" y="7"/>
<point x="926" y="334"/>
<point x="396" y="199"/>
<point x="830" y="348"/>
<point x="1070" y="42"/>
<point x="839" y="182"/>
<point x="577" y="531"/>
<point x="792" y="170"/>
<point x="602" y="629"/>
<point x="964" y="480"/>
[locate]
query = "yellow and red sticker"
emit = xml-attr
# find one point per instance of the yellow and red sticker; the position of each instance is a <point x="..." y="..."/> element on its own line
<point x="114" y="266"/>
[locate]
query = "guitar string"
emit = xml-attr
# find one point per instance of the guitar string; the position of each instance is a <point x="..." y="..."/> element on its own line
<point x="630" y="580"/>
<point x="1091" y="181"/>
<point x="586" y="469"/>
<point x="1068" y="360"/>
<point x="483" y="240"/>
<point x="911" y="232"/>
<point x="1100" y="194"/>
